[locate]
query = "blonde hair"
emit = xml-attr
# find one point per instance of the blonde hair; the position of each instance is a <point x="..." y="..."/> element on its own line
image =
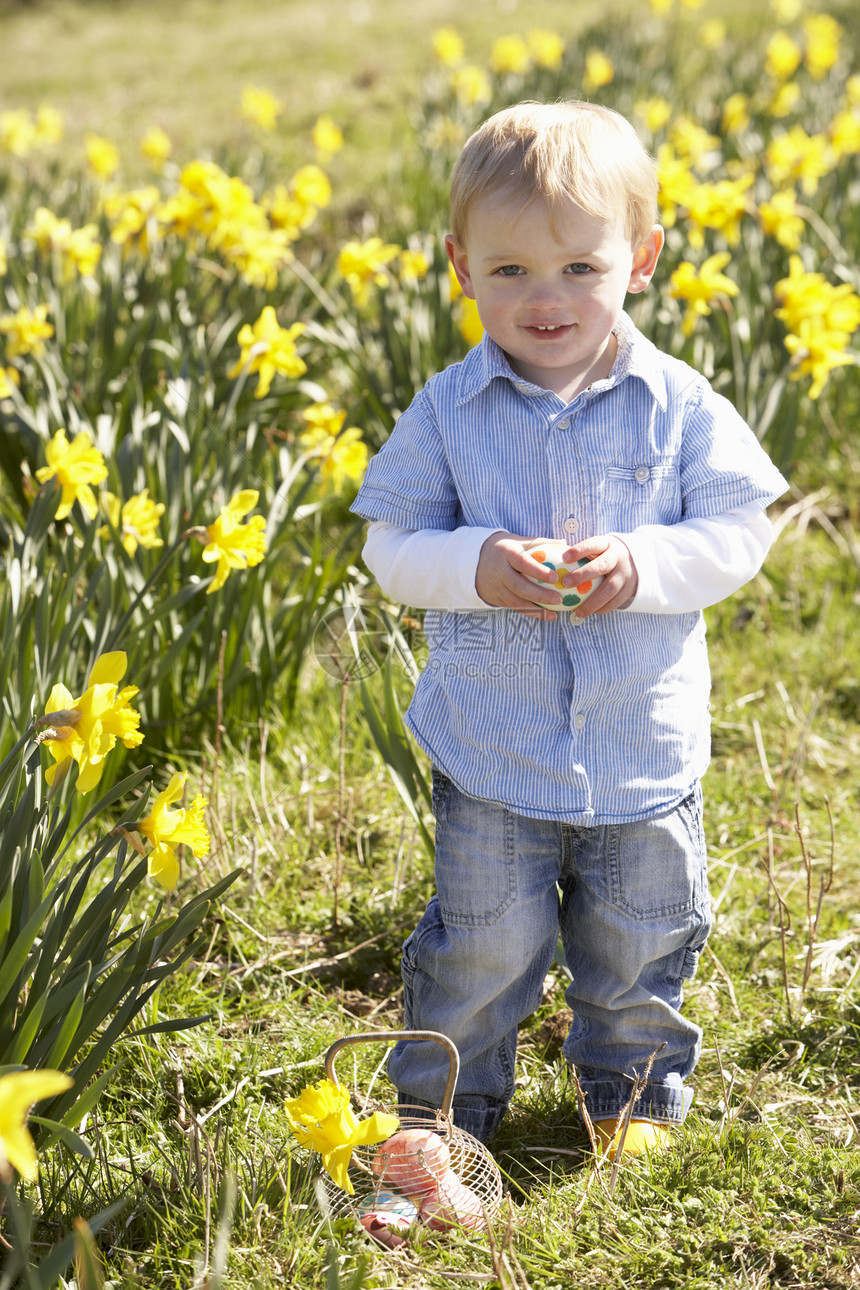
<point x="574" y="151"/>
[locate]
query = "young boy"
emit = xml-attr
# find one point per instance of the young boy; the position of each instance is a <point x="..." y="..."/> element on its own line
<point x="567" y="749"/>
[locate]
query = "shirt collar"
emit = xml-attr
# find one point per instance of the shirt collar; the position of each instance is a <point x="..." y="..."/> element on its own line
<point x="636" y="357"/>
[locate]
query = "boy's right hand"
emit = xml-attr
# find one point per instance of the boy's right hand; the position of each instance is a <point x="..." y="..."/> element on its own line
<point x="503" y="578"/>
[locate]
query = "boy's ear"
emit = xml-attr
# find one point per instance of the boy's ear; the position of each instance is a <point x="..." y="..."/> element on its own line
<point x="645" y="260"/>
<point x="460" y="264"/>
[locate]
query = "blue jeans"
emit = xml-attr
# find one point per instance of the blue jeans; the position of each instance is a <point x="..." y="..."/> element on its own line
<point x="631" y="904"/>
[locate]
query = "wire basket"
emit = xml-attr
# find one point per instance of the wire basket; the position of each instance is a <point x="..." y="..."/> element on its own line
<point x="429" y="1171"/>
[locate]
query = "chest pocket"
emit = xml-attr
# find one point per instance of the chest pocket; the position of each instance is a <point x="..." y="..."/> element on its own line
<point x="643" y="493"/>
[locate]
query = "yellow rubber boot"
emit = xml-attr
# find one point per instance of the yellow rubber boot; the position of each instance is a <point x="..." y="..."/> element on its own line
<point x="641" y="1135"/>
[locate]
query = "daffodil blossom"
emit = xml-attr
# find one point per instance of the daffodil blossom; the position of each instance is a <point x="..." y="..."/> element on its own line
<point x="76" y="465"/>
<point x="18" y="1091"/>
<point x="137" y="520"/>
<point x="233" y="544"/>
<point x="322" y="1119"/>
<point x="700" y="287"/>
<point x="104" y="715"/>
<point x="268" y="348"/>
<point x="166" y="829"/>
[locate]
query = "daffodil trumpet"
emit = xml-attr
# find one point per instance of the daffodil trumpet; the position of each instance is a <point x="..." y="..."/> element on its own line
<point x="321" y="1118"/>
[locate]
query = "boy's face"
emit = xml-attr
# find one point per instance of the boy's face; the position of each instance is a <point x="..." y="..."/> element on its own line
<point x="550" y="301"/>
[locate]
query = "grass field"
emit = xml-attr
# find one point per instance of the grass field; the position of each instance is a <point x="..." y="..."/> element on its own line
<point x="190" y="1138"/>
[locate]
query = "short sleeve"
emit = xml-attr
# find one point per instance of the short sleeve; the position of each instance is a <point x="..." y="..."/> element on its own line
<point x="723" y="465"/>
<point x="409" y="481"/>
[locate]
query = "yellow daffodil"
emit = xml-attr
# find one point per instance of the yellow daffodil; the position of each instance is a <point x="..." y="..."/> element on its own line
<point x="735" y="117"/>
<point x="311" y="187"/>
<point x="823" y="34"/>
<point x="102" y="156"/>
<point x="76" y="465"/>
<point x="844" y="133"/>
<point x="599" y="71"/>
<point x="469" y="321"/>
<point x="48" y="125"/>
<point x="545" y="47"/>
<point x="787" y="10"/>
<point x="660" y="7"/>
<point x="268" y="349"/>
<point x="471" y="85"/>
<point x="326" y="136"/>
<point x="233" y="544"/>
<point x="18" y="1091"/>
<point x="322" y="1119"/>
<point x="27" y="330"/>
<point x="155" y="147"/>
<point x="17" y="132"/>
<point x="167" y="829"/>
<point x="780" y="220"/>
<point x="677" y="183"/>
<point x="782" y="56"/>
<point x="260" y="107"/>
<point x="343" y="453"/>
<point x="413" y="266"/>
<point x="137" y="520"/>
<point x="9" y="379"/>
<point x="713" y="33"/>
<point x="130" y="214"/>
<point x="785" y="100"/>
<point x="655" y="112"/>
<point x="4" y="263"/>
<point x="817" y="353"/>
<point x="363" y="265"/>
<point x="692" y="142"/>
<point x="719" y="206"/>
<point x="258" y="255"/>
<point x="509" y="56"/>
<point x="79" y="248"/>
<point x="448" y="46"/>
<point x="797" y="155"/>
<point x="699" y="287"/>
<point x="820" y="320"/>
<point x="104" y="716"/>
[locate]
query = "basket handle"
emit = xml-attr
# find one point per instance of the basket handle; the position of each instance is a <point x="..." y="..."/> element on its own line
<point x="394" y="1036"/>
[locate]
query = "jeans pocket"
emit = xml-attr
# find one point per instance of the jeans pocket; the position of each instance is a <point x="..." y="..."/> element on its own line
<point x="476" y="870"/>
<point x="658" y="867"/>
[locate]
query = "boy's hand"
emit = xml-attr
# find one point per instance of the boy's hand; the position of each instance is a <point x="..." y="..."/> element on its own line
<point x="502" y="578"/>
<point x="611" y="559"/>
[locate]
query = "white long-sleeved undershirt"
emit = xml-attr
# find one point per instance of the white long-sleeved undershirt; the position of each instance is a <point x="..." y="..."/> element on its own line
<point x="681" y="567"/>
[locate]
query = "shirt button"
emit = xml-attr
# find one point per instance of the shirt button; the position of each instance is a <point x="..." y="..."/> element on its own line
<point x="642" y="474"/>
<point x="579" y="720"/>
<point x="564" y="423"/>
<point x="571" y="524"/>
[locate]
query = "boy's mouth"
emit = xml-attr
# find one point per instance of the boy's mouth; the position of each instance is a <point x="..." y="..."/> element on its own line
<point x="548" y="329"/>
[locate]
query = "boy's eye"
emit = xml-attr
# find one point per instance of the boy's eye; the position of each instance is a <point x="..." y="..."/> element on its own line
<point x="510" y="270"/>
<point x="579" y="268"/>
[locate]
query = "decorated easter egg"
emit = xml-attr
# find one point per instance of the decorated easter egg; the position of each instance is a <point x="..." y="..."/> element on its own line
<point x="549" y="554"/>
<point x="412" y="1161"/>
<point x="388" y="1202"/>
<point x="452" y="1204"/>
<point x="386" y="1228"/>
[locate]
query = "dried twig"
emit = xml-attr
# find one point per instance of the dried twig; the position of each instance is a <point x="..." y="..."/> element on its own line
<point x="784" y="924"/>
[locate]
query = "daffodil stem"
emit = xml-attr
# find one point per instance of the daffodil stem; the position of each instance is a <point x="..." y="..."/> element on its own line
<point x="123" y="623"/>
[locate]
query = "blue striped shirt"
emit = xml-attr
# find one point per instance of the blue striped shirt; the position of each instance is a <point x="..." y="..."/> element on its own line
<point x="598" y="721"/>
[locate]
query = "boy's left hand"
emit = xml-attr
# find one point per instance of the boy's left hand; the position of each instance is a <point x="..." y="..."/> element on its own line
<point x="611" y="559"/>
